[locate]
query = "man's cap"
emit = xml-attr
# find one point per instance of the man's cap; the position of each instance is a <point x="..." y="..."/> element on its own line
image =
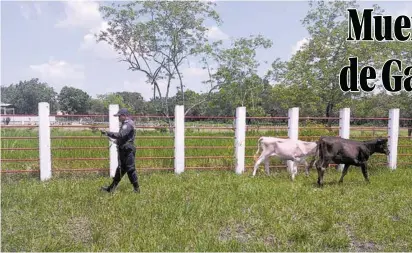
<point x="122" y="111"/>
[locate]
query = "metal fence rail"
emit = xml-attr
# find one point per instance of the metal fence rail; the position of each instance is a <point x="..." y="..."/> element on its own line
<point x="216" y="143"/>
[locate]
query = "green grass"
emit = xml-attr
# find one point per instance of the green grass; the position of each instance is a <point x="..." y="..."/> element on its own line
<point x="143" y="140"/>
<point x="210" y="211"/>
<point x="201" y="211"/>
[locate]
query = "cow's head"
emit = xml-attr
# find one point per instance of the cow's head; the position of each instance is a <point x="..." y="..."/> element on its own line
<point x="382" y="146"/>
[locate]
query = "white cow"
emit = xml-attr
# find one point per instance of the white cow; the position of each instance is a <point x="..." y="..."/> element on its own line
<point x="295" y="151"/>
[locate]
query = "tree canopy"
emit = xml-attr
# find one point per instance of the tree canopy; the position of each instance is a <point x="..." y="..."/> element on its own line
<point x="157" y="38"/>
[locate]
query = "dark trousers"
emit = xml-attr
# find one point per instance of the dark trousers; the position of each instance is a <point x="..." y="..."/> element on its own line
<point x="126" y="165"/>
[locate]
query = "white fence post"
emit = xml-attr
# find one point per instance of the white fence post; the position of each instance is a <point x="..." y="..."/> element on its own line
<point x="293" y="123"/>
<point x="179" y="139"/>
<point x="240" y="136"/>
<point x="113" y="127"/>
<point x="293" y="128"/>
<point x="393" y="133"/>
<point x="44" y="141"/>
<point x="344" y="127"/>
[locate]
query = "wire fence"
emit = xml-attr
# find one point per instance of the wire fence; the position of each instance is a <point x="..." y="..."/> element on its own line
<point x="77" y="146"/>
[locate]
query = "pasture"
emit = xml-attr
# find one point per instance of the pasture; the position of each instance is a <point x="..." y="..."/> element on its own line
<point x="155" y="147"/>
<point x="210" y="211"/>
<point x="199" y="210"/>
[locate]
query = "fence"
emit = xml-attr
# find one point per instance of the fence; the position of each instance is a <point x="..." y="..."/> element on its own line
<point x="178" y="150"/>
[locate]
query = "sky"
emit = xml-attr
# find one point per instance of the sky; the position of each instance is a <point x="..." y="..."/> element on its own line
<point x="53" y="41"/>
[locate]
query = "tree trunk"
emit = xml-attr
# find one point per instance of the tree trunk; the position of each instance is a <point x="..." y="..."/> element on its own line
<point x="329" y="109"/>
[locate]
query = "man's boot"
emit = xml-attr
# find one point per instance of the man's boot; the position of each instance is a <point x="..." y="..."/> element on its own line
<point x="136" y="188"/>
<point x="111" y="187"/>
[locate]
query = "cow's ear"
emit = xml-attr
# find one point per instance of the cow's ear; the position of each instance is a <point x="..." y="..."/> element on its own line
<point x="383" y="140"/>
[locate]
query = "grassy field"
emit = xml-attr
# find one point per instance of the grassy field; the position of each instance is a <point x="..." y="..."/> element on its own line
<point x="200" y="210"/>
<point x="195" y="141"/>
<point x="210" y="211"/>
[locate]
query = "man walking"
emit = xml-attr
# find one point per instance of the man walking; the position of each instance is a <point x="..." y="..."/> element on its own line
<point x="126" y="151"/>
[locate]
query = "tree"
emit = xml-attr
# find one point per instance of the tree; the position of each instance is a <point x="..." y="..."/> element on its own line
<point x="236" y="77"/>
<point x="97" y="106"/>
<point x="134" y="101"/>
<point x="192" y="102"/>
<point x="26" y="95"/>
<point x="271" y="103"/>
<point x="113" y="98"/>
<point x="316" y="66"/>
<point x="74" y="101"/>
<point x="156" y="37"/>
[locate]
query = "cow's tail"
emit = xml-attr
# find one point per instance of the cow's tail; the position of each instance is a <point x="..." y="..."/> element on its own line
<point x="255" y="157"/>
<point x="317" y="149"/>
<point x="318" y="153"/>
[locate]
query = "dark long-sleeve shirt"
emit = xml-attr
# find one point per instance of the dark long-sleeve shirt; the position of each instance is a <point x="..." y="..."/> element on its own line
<point x="125" y="136"/>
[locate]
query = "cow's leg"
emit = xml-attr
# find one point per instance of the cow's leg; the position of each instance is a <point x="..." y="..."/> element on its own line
<point x="288" y="166"/>
<point x="258" y="162"/>
<point x="320" y="176"/>
<point x="294" y="170"/>
<point x="344" y="171"/>
<point x="267" y="166"/>
<point x="365" y="172"/>
<point x="320" y="166"/>
<point x="307" y="168"/>
<point x="317" y="165"/>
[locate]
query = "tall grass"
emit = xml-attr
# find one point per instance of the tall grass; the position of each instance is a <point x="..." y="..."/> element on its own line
<point x="146" y="156"/>
<point x="209" y="211"/>
<point x="200" y="211"/>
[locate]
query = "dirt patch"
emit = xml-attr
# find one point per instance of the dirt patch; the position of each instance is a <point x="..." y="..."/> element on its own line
<point x="237" y="232"/>
<point x="272" y="241"/>
<point x="79" y="229"/>
<point x="360" y="246"/>
<point x="246" y="232"/>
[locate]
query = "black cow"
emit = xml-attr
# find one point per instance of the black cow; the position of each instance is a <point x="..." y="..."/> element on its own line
<point x="348" y="152"/>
